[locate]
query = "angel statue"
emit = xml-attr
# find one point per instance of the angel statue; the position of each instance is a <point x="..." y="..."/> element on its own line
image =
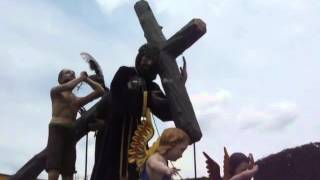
<point x="152" y="163"/>
<point x="235" y="167"/>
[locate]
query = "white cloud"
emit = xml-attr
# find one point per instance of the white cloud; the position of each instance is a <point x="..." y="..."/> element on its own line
<point x="206" y="102"/>
<point x="224" y="125"/>
<point x="108" y="6"/>
<point x="272" y="117"/>
<point x="216" y="109"/>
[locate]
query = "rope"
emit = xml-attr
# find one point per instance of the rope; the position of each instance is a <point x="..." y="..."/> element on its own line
<point x="194" y="161"/>
<point x="82" y="110"/>
<point x="86" y="162"/>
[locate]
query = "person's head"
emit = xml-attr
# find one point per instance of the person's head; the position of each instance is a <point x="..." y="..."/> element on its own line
<point x="238" y="163"/>
<point x="173" y="142"/>
<point x="66" y="75"/>
<point x="147" y="61"/>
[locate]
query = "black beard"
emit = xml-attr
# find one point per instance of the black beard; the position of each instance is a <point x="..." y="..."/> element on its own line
<point x="147" y="74"/>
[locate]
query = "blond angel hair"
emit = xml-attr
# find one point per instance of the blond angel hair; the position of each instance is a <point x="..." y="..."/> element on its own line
<point x="171" y="137"/>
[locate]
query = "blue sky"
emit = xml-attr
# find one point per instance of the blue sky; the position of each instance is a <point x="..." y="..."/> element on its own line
<point x="253" y="77"/>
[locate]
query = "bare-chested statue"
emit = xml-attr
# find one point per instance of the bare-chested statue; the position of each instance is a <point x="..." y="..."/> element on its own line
<point x="61" y="146"/>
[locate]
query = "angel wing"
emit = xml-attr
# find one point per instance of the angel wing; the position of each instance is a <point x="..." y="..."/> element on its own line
<point x="226" y="165"/>
<point x="213" y="168"/>
<point x="138" y="152"/>
<point x="251" y="161"/>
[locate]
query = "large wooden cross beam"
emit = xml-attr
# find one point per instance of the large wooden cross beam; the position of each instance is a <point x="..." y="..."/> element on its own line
<point x="180" y="104"/>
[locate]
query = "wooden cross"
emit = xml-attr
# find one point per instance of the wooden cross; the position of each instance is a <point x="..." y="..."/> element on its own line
<point x="180" y="104"/>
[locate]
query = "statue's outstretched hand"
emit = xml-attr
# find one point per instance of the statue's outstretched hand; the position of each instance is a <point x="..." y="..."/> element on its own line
<point x="247" y="174"/>
<point x="183" y="71"/>
<point x="172" y="171"/>
<point x="84" y="75"/>
<point x="136" y="84"/>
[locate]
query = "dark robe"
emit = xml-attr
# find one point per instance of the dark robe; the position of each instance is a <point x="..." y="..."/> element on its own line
<point x="126" y="112"/>
<point x="104" y="113"/>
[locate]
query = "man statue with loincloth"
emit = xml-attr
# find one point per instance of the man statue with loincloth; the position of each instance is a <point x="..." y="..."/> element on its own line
<point x="61" y="148"/>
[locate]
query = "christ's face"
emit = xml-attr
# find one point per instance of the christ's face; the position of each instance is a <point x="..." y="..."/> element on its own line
<point x="147" y="68"/>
